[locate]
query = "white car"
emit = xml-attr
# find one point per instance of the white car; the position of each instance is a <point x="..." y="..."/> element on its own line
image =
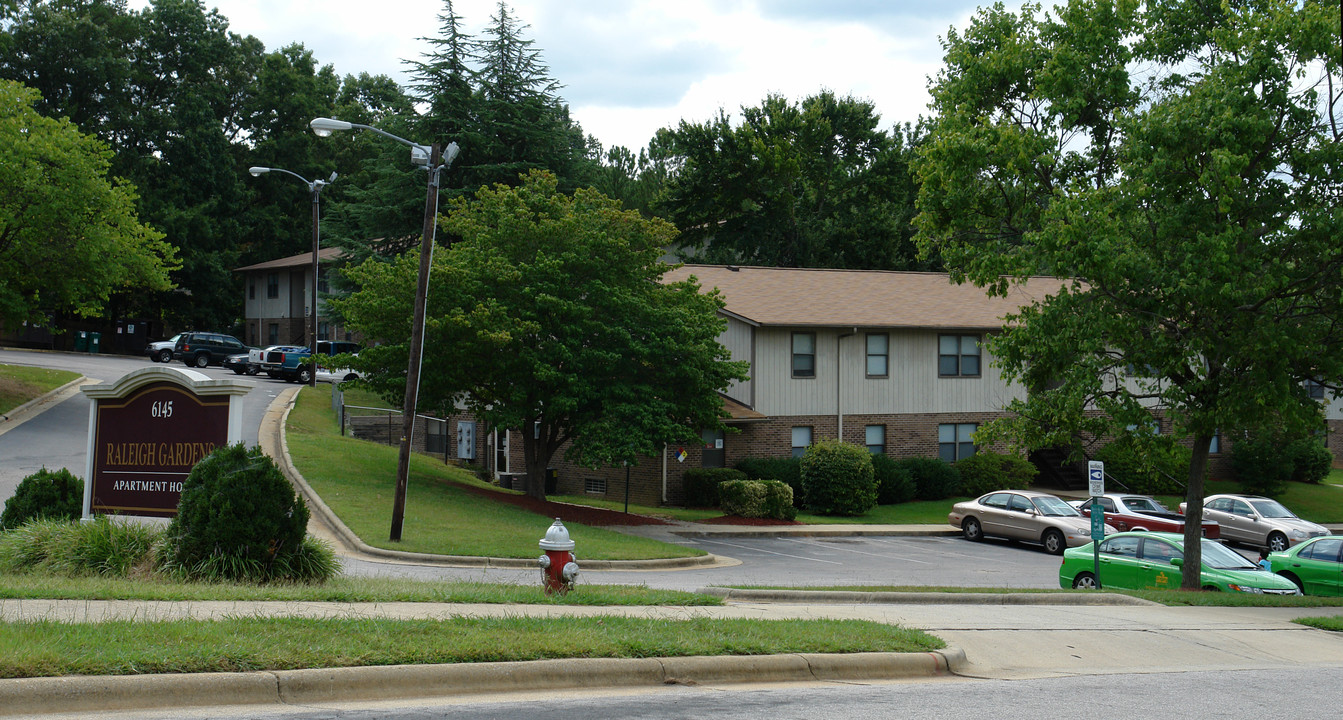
<point x="162" y="351"/>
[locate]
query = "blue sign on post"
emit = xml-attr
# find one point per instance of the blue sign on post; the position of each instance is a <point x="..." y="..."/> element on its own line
<point x="1097" y="521"/>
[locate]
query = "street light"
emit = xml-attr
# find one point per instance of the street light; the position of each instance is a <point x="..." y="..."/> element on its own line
<point x="314" y="187"/>
<point x="435" y="162"/>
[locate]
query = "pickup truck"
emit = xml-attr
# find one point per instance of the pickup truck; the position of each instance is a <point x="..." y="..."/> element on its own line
<point x="269" y="360"/>
<point x="1140" y="512"/>
<point x="294" y="366"/>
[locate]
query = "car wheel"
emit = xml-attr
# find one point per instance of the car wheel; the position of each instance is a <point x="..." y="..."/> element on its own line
<point x="971" y="530"/>
<point x="1085" y="581"/>
<point x="349" y="377"/>
<point x="1295" y="580"/>
<point x="1053" y="542"/>
<point x="201" y="360"/>
<point x="253" y="370"/>
<point x="1211" y="588"/>
<point x="165" y="356"/>
<point x="304" y="376"/>
<point x="238" y="371"/>
<point x="1277" y="542"/>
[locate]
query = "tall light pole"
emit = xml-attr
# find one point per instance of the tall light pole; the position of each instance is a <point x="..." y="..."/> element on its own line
<point x="314" y="187"/>
<point x="435" y="161"/>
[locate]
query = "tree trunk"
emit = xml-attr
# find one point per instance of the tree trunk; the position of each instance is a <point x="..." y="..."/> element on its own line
<point x="535" y="459"/>
<point x="1191" y="576"/>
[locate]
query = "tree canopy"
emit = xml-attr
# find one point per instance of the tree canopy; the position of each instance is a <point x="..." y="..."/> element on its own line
<point x="810" y="184"/>
<point x="550" y="316"/>
<point x="69" y="234"/>
<point x="1180" y="161"/>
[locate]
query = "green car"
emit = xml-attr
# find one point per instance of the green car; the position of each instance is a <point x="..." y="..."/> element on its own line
<point x="1313" y="565"/>
<point x="1152" y="561"/>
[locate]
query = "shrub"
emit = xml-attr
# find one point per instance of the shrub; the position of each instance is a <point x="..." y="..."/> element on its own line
<point x="934" y="479"/>
<point x="838" y="478"/>
<point x="757" y="499"/>
<point x="894" y="483"/>
<point x="1159" y="466"/>
<point x="985" y="472"/>
<point x="45" y="494"/>
<point x="1260" y="467"/>
<point x="1310" y="460"/>
<point x="701" y="485"/>
<point x="787" y="470"/>
<point x="101" y="547"/>
<point x="239" y="519"/>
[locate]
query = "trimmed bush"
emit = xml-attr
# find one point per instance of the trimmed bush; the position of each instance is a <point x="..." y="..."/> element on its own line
<point x="985" y="472"/>
<point x="701" y="485"/>
<point x="1310" y="460"/>
<point x="934" y="479"/>
<point x="838" y="478"/>
<point x="1260" y="467"/>
<point x="46" y="494"/>
<point x="757" y="499"/>
<point x="787" y="470"/>
<point x="1159" y="466"/>
<point x="239" y="519"/>
<point x="894" y="483"/>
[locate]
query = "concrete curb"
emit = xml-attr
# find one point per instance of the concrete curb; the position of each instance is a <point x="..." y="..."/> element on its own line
<point x="15" y="417"/>
<point x="273" y="441"/>
<point x="31" y="696"/>
<point x="810" y="597"/>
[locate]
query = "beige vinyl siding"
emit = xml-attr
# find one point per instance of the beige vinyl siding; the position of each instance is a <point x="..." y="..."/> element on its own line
<point x="912" y="386"/>
<point x="739" y="339"/>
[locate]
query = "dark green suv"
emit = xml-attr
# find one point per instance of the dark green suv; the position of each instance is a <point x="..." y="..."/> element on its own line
<point x="202" y="349"/>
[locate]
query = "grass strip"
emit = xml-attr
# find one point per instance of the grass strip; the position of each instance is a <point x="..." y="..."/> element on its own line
<point x="356" y="479"/>
<point x="20" y="383"/>
<point x="47" y="648"/>
<point x="1173" y="598"/>
<point x="1333" y="624"/>
<point x="343" y="589"/>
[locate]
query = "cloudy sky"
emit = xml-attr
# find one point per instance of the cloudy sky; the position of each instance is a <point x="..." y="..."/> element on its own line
<point x="630" y="67"/>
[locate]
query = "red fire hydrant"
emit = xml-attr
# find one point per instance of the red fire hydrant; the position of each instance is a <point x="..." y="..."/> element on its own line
<point x="558" y="566"/>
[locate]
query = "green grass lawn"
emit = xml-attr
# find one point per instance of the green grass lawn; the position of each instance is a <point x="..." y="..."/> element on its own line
<point x="37" y="649"/>
<point x="357" y="478"/>
<point x="1322" y="503"/>
<point x="19" y="384"/>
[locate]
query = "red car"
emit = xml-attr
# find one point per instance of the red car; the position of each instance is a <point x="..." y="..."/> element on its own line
<point x="1140" y="512"/>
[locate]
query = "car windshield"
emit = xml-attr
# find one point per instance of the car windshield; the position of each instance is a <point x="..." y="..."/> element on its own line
<point x="1139" y="504"/>
<point x="1217" y="555"/>
<point x="1271" y="509"/>
<point x="1054" y="507"/>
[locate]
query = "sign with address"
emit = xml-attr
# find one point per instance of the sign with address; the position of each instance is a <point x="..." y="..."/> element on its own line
<point x="147" y="430"/>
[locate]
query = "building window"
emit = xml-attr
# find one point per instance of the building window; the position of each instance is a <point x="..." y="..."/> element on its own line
<point x="1315" y="390"/>
<point x="876" y="439"/>
<point x="322" y="286"/>
<point x="1216" y="445"/>
<point x="804" y="355"/>
<point x="273" y="285"/>
<point x="323" y="330"/>
<point x="273" y="334"/>
<point x="713" y="453"/>
<point x="594" y="486"/>
<point x="878" y="355"/>
<point x="801" y="440"/>
<point x="958" y="355"/>
<point x="954" y="441"/>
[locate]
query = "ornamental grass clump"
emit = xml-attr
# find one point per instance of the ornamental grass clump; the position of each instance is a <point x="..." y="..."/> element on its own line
<point x="239" y="519"/>
<point x="838" y="478"/>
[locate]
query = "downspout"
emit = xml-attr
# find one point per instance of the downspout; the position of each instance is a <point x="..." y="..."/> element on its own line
<point x="664" y="473"/>
<point x="839" y="375"/>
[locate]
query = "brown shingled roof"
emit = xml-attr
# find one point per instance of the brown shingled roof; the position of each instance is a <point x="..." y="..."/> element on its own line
<point x="326" y="254"/>
<point x="861" y="298"/>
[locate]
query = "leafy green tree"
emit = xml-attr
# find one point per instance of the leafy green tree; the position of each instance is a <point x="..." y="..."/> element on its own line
<point x="1179" y="162"/>
<point x="811" y="184"/>
<point x="69" y="234"/>
<point x="550" y="316"/>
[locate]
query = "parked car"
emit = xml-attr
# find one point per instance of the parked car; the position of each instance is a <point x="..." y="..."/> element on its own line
<point x="202" y="349"/>
<point x="1258" y="521"/>
<point x="1154" y="561"/>
<point x="162" y="351"/>
<point x="1023" y="515"/>
<point x="336" y="375"/>
<point x="296" y="367"/>
<point x="1314" y="565"/>
<point x="240" y="364"/>
<point x="271" y="359"/>
<point x="1141" y="512"/>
